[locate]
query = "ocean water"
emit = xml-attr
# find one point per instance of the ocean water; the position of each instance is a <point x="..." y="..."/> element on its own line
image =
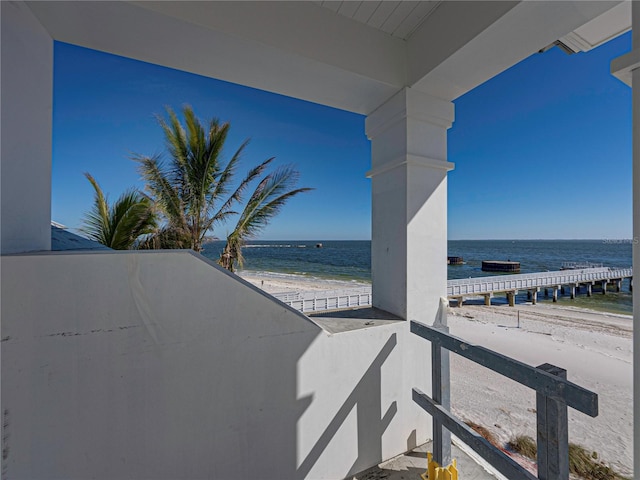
<point x="336" y="260"/>
<point x="542" y="255"/>
<point x="351" y="261"/>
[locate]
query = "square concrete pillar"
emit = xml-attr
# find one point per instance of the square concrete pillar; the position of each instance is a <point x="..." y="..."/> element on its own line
<point x="25" y="150"/>
<point x="409" y="203"/>
<point x="627" y="69"/>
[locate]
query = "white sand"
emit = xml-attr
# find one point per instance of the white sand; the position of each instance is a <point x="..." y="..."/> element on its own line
<point x="594" y="347"/>
<point x="279" y="283"/>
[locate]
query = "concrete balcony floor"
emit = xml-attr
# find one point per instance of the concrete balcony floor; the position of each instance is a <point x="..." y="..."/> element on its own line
<point x="337" y="321"/>
<point x="411" y="465"/>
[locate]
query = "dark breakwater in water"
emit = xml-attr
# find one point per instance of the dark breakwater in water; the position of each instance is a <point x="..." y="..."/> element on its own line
<point x="536" y="255"/>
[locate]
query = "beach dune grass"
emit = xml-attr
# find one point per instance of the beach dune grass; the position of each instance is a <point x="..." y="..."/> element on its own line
<point x="524" y="445"/>
<point x="582" y="462"/>
<point x="484" y="432"/>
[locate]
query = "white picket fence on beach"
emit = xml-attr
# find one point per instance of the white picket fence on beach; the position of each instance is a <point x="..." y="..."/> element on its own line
<point x="327" y="299"/>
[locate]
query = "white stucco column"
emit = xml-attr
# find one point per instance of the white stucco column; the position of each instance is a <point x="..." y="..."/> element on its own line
<point x="25" y="146"/>
<point x="627" y="69"/>
<point x="408" y="137"/>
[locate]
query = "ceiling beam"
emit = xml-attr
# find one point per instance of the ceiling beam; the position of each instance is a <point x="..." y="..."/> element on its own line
<point x="518" y="30"/>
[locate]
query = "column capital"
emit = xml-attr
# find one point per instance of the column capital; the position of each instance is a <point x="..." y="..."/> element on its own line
<point x="411" y="160"/>
<point x="409" y="104"/>
<point x="622" y="67"/>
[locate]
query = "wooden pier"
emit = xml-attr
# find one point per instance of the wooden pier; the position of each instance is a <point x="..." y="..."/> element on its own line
<point x="532" y="283"/>
<point x="561" y="281"/>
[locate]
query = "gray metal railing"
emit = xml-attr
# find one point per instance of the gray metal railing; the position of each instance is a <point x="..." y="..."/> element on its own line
<point x="554" y="393"/>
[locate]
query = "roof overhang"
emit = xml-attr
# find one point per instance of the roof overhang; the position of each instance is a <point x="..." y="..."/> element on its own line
<point x="307" y="51"/>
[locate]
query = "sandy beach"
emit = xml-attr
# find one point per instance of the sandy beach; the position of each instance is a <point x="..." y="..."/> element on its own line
<point x="280" y="283"/>
<point x="594" y="347"/>
<point x="596" y="350"/>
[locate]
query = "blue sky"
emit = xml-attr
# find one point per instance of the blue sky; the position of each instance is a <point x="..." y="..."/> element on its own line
<point x="541" y="151"/>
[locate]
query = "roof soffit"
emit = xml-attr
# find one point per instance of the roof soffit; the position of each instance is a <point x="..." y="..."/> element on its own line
<point x="396" y="18"/>
<point x="601" y="29"/>
<point x="521" y="31"/>
<point x="270" y="64"/>
<point x="302" y="28"/>
<point x="448" y="29"/>
<point x="307" y="51"/>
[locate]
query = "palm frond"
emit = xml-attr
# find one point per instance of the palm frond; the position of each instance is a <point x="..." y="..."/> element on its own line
<point x="96" y="222"/>
<point x="268" y="198"/>
<point x="166" y="237"/>
<point x="132" y="216"/>
<point x="226" y="176"/>
<point x="161" y="190"/>
<point x="195" y="190"/>
<point x="119" y="225"/>
<point x="225" y="210"/>
<point x="175" y="139"/>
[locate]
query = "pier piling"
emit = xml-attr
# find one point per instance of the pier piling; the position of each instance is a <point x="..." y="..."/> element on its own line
<point x="565" y="281"/>
<point x="511" y="297"/>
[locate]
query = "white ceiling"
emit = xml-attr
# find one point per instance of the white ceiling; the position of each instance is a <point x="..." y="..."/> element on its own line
<point x="347" y="54"/>
<point x="397" y="18"/>
<point x="601" y="29"/>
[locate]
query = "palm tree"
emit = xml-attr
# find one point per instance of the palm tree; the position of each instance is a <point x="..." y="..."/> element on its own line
<point x="266" y="201"/>
<point x="120" y="225"/>
<point x="194" y="188"/>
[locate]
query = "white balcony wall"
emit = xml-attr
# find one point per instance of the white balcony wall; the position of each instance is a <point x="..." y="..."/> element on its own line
<point x="161" y="365"/>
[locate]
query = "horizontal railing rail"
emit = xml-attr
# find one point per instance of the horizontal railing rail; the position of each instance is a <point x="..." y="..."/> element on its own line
<point x="554" y="393"/>
<point x="327" y="300"/>
<point x="505" y="465"/>
<point x="580" y="265"/>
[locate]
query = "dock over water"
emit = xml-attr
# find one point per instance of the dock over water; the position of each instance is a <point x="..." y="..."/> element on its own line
<point x="574" y="280"/>
<point x="532" y="283"/>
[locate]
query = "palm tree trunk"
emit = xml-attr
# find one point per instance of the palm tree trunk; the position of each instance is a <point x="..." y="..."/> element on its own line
<point x="226" y="259"/>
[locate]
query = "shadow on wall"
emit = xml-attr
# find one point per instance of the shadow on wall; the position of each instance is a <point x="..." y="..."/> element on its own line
<point x="366" y="398"/>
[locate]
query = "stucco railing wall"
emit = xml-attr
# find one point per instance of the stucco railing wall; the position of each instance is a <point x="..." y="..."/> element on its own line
<point x="161" y="365"/>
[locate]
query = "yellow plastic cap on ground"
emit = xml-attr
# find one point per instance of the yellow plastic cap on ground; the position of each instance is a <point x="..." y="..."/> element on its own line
<point x="436" y="472"/>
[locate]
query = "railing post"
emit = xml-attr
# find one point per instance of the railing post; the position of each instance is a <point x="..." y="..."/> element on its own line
<point x="552" y="430"/>
<point x="441" y="388"/>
